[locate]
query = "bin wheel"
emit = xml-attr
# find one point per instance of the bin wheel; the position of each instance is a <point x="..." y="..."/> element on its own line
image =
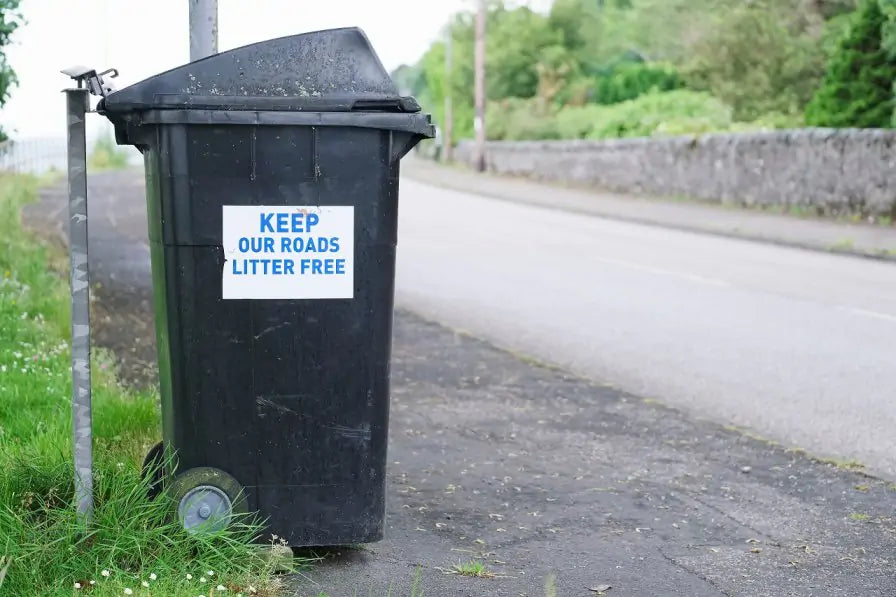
<point x="207" y="498"/>
<point x="153" y="469"/>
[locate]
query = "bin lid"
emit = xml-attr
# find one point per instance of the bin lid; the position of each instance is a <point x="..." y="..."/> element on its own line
<point x="334" y="70"/>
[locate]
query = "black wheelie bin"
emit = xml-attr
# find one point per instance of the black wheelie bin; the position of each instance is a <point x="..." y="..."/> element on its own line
<point x="272" y="176"/>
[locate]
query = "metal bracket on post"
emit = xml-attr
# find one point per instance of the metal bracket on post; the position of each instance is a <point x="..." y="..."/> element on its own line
<point x="95" y="82"/>
<point x="77" y="107"/>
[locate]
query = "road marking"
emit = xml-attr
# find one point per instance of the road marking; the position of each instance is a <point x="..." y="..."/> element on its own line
<point x="665" y="272"/>
<point x="873" y="314"/>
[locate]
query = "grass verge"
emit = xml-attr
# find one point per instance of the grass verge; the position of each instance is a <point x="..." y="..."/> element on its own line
<point x="133" y="546"/>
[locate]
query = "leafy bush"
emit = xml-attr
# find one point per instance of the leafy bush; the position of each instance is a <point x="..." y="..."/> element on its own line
<point x="517" y="119"/>
<point x="667" y="113"/>
<point x="578" y="122"/>
<point x="771" y="121"/>
<point x="857" y="90"/>
<point x="631" y="80"/>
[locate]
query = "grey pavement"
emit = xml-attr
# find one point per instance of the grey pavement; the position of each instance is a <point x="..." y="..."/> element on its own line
<point x="842" y="237"/>
<point x="795" y="345"/>
<point x="117" y="234"/>
<point x="548" y="478"/>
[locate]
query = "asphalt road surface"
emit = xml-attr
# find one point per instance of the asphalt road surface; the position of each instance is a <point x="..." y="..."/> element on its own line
<point x="797" y="346"/>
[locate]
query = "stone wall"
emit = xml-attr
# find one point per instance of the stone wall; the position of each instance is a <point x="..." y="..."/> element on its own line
<point x="829" y="172"/>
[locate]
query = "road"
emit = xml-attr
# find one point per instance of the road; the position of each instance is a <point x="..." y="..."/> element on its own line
<point x="794" y="345"/>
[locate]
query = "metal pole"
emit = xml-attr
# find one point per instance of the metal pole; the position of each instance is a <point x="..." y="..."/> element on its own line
<point x="203" y="28"/>
<point x="78" y="103"/>
<point x="479" y="67"/>
<point x="449" y="109"/>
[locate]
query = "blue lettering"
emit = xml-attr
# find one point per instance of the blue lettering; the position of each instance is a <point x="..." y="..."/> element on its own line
<point x="309" y="247"/>
<point x="316" y="266"/>
<point x="328" y="266"/>
<point x="266" y="223"/>
<point x="268" y="244"/>
<point x="334" y="244"/>
<point x="282" y="222"/>
<point x="236" y="271"/>
<point x="322" y="244"/>
<point x="310" y="221"/>
<point x="285" y="245"/>
<point x="243" y="244"/>
<point x="297" y="222"/>
<point x="340" y="266"/>
<point x="277" y="267"/>
<point x="306" y="263"/>
<point x="288" y="265"/>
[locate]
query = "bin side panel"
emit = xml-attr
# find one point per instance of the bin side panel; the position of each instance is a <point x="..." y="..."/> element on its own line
<point x="211" y="415"/>
<point x="291" y="397"/>
<point x="322" y="384"/>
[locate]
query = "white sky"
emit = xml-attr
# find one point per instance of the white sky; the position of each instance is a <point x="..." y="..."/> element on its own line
<point x="141" y="38"/>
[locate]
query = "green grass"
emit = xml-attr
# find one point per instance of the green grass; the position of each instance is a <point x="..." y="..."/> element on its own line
<point x="472" y="568"/>
<point x="44" y="548"/>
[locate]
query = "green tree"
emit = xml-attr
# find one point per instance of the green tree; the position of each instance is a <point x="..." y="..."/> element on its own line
<point x="515" y="42"/>
<point x="409" y="79"/>
<point x="830" y="9"/>
<point x="10" y="20"/>
<point x="888" y="30"/>
<point x="436" y="82"/>
<point x="888" y="37"/>
<point x="759" y="56"/>
<point x="857" y="90"/>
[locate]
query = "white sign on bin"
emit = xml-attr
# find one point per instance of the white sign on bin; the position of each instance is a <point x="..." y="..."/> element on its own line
<point x="288" y="252"/>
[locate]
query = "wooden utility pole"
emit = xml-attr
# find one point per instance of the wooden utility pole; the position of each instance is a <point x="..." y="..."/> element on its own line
<point x="479" y="67"/>
<point x="448" y="132"/>
<point x="203" y="28"/>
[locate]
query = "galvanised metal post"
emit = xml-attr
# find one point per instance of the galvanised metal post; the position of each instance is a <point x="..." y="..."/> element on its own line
<point x="78" y="103"/>
<point x="203" y="29"/>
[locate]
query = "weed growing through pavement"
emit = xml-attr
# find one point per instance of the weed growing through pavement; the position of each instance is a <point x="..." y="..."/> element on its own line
<point x="472" y="568"/>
